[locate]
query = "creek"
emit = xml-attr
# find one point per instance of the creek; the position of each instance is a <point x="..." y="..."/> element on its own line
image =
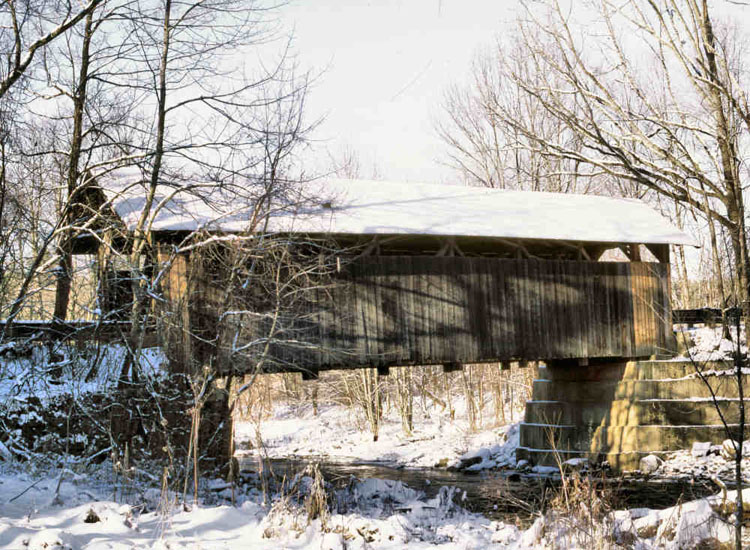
<point x="505" y="495"/>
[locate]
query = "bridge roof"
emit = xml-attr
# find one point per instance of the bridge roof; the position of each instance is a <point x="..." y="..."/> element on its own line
<point x="361" y="207"/>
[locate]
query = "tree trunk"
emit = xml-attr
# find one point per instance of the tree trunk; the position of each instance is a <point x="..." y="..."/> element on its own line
<point x="138" y="264"/>
<point x="736" y="213"/>
<point x="65" y="250"/>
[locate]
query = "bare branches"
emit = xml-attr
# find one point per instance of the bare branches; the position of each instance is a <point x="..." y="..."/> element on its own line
<point x="20" y="56"/>
<point x="648" y="104"/>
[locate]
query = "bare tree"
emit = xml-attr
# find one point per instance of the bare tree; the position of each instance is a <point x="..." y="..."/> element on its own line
<point x="26" y="28"/>
<point x="662" y="111"/>
<point x="73" y="175"/>
<point x="490" y="152"/>
<point x="656" y="98"/>
<point x="405" y="398"/>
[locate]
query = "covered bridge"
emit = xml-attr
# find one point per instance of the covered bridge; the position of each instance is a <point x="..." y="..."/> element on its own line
<point x="430" y="274"/>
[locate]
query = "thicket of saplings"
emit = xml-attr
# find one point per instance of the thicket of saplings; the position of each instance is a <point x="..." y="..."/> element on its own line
<point x="481" y="395"/>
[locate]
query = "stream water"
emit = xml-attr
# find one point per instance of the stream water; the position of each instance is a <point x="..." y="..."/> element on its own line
<point x="504" y="495"/>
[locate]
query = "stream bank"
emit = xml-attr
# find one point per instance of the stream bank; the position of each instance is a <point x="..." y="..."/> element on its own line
<point x="505" y="495"/>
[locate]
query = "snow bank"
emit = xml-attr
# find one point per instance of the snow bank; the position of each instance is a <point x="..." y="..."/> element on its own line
<point x="706" y="344"/>
<point x="366" y="514"/>
<point x="498" y="450"/>
<point x="380" y="514"/>
<point x="50" y="371"/>
<point x="333" y="435"/>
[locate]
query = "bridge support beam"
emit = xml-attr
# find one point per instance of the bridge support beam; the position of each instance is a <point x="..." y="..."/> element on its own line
<point x="310" y="375"/>
<point x="453" y="367"/>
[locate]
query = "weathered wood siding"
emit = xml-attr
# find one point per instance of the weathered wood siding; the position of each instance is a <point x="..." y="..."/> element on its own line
<point x="421" y="310"/>
<point x="406" y="310"/>
<point x="433" y="310"/>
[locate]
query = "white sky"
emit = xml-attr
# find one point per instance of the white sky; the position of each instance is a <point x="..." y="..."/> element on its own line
<point x="388" y="64"/>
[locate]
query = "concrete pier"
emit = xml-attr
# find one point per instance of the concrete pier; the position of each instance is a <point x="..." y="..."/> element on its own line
<point x="622" y="411"/>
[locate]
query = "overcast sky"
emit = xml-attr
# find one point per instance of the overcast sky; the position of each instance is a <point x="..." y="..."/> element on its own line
<point x="388" y="63"/>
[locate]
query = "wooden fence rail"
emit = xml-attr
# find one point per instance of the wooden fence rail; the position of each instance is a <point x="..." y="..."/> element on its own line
<point x="706" y="316"/>
<point x="77" y="331"/>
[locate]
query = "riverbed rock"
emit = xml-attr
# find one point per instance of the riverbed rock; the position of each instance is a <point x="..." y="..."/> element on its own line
<point x="700" y="449"/>
<point x="575" y="465"/>
<point x="464" y="463"/>
<point x="649" y="464"/>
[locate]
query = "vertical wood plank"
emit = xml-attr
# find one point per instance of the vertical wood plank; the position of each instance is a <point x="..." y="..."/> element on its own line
<point x="590" y="305"/>
<point x="377" y="275"/>
<point x="567" y="329"/>
<point x="627" y="310"/>
<point x="536" y="332"/>
<point x="573" y="323"/>
<point x="554" y="308"/>
<point x="358" y="341"/>
<point x="436" y="285"/>
<point x="650" y="340"/>
<point x="422" y="311"/>
<point x="583" y="313"/>
<point x="607" y="286"/>
<point x="370" y="316"/>
<point x="409" y="309"/>
<point x="501" y="333"/>
<point x="494" y="314"/>
<point x="454" y="297"/>
<point x="515" y="297"/>
<point x="666" y="278"/>
<point x="402" y="283"/>
<point x="389" y="313"/>
<point x="618" y="330"/>
<point x="623" y="336"/>
<point x="517" y="319"/>
<point x="478" y="310"/>
<point x="640" y="321"/>
<point x="524" y="309"/>
<point x="643" y="306"/>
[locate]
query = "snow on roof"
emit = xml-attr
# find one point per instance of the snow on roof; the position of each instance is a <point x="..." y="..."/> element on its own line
<point x="339" y="206"/>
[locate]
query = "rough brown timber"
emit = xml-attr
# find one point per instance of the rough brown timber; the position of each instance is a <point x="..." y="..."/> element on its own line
<point x="394" y="310"/>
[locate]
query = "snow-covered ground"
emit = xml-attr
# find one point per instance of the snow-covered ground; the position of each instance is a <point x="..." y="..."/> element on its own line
<point x="706" y="344"/>
<point x="333" y="435"/>
<point x="375" y="514"/>
<point x="95" y="510"/>
<point x="365" y="514"/>
<point x="45" y="372"/>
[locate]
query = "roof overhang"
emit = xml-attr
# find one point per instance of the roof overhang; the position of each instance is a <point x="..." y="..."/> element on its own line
<point x="363" y="207"/>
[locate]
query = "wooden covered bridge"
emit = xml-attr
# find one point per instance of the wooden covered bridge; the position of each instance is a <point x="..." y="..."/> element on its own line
<point x="430" y="274"/>
<point x="439" y="274"/>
